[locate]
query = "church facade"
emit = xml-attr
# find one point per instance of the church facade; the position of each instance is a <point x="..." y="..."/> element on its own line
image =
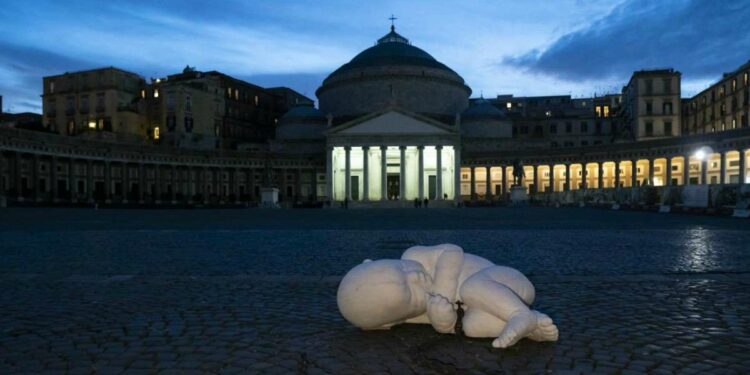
<point x="392" y="125"/>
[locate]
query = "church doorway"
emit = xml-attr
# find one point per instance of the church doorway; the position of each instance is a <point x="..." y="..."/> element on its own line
<point x="394" y="186"/>
<point x="432" y="187"/>
<point x="355" y="187"/>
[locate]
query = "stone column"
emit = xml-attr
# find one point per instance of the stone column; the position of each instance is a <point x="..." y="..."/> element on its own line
<point x="141" y="182"/>
<point x="298" y="185"/>
<point x="420" y="169"/>
<point x="329" y="173"/>
<point x="17" y="172"/>
<point x="473" y="182"/>
<point x="617" y="174"/>
<point x="600" y="177"/>
<point x="366" y="173"/>
<point x="742" y="166"/>
<point x="704" y="171"/>
<point x="348" y="174"/>
<point x="383" y="174"/>
<point x="537" y="180"/>
<point x="125" y="182"/>
<point x="567" y="177"/>
<point x="651" y="172"/>
<point x="216" y="179"/>
<point x="723" y="167"/>
<point x="686" y="170"/>
<point x="457" y="174"/>
<point x="402" y="183"/>
<point x="90" y="180"/>
<point x="72" y="180"/>
<point x="35" y="176"/>
<point x="439" y="175"/>
<point x="314" y="185"/>
<point x="201" y="175"/>
<point x="584" y="176"/>
<point x="634" y="173"/>
<point x="488" y="179"/>
<point x="669" y="172"/>
<point x="107" y="182"/>
<point x="502" y="179"/>
<point x="551" y="178"/>
<point x="53" y="178"/>
<point x="157" y="184"/>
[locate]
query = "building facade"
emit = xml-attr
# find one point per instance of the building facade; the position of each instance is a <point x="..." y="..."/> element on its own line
<point x="393" y="125"/>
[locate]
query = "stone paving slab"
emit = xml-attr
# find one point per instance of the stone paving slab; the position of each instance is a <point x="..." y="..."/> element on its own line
<point x="240" y="324"/>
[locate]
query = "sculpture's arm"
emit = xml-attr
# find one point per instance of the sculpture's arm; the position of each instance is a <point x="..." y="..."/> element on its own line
<point x="440" y="308"/>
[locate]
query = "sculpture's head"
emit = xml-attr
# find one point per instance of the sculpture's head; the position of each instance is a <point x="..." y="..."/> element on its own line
<point x="378" y="294"/>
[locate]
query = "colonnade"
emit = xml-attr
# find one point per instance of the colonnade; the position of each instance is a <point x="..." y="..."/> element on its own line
<point x="51" y="178"/>
<point x="379" y="173"/>
<point x="725" y="167"/>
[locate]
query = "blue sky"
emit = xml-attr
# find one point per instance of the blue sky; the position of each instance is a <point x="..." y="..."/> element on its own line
<point x="577" y="47"/>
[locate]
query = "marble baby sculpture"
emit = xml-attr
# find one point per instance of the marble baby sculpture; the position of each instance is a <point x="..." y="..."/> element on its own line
<point x="426" y="285"/>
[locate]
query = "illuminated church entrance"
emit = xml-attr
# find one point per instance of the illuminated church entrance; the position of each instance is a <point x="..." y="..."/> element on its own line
<point x="393" y="156"/>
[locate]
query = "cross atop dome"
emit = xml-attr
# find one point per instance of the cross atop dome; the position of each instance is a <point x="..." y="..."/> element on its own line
<point x="393" y="36"/>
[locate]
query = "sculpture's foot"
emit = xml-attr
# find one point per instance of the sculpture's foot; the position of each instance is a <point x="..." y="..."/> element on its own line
<point x="546" y="330"/>
<point x="532" y="324"/>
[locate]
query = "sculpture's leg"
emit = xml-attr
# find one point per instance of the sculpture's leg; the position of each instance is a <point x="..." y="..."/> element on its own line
<point x="483" y="292"/>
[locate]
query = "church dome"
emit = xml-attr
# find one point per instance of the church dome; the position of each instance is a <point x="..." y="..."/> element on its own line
<point x="302" y="122"/>
<point x="393" y="72"/>
<point x="482" y="110"/>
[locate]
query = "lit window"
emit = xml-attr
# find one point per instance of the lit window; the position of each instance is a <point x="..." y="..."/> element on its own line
<point x="156" y="93"/>
<point x="509" y="105"/>
<point x="92" y="124"/>
<point x="101" y="123"/>
<point x="156" y="132"/>
<point x="734" y="123"/>
<point x="606" y="111"/>
<point x="548" y="113"/>
<point x="229" y="92"/>
<point x="598" y="111"/>
<point x="734" y="84"/>
<point x="583" y="104"/>
<point x="52" y="87"/>
<point x="236" y="94"/>
<point x="746" y="79"/>
<point x="143" y="94"/>
<point x="256" y="100"/>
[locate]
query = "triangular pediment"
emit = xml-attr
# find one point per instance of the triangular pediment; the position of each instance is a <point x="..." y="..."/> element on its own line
<point x="392" y="122"/>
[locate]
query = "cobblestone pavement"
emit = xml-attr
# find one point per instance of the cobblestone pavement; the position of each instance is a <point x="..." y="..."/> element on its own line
<point x="240" y="291"/>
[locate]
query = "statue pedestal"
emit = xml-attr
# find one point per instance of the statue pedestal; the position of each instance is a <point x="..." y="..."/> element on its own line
<point x="518" y="195"/>
<point x="269" y="197"/>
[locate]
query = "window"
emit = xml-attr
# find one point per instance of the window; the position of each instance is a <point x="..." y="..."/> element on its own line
<point x="649" y="128"/>
<point x="598" y="111"/>
<point x="667" y="108"/>
<point x="598" y="127"/>
<point x="229" y="92"/>
<point x="92" y="124"/>
<point x="649" y="108"/>
<point x="734" y="85"/>
<point x="584" y="127"/>
<point x="256" y="100"/>
<point x="236" y="94"/>
<point x="548" y="113"/>
<point x="509" y="105"/>
<point x="100" y="102"/>
<point x="70" y="103"/>
<point x="51" y="87"/>
<point x="188" y="124"/>
<point x="584" y="143"/>
<point x="553" y="128"/>
<point x="649" y="86"/>
<point x="156" y="133"/>
<point x="606" y="111"/>
<point x="156" y="93"/>
<point x="85" y="103"/>
<point x="170" y="101"/>
<point x="101" y="124"/>
<point x="667" y="127"/>
<point x="568" y="127"/>
<point x="667" y="85"/>
<point x="188" y="104"/>
<point x="734" y="123"/>
<point x="746" y="79"/>
<point x="143" y="94"/>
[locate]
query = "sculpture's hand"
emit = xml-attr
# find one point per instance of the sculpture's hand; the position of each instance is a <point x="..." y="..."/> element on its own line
<point x="442" y="314"/>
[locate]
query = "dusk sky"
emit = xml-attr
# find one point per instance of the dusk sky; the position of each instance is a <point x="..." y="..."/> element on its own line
<point x="577" y="47"/>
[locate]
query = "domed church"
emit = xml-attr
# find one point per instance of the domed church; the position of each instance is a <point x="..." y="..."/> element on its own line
<point x="390" y="120"/>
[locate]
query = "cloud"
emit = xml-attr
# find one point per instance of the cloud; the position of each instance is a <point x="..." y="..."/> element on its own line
<point x="700" y="38"/>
